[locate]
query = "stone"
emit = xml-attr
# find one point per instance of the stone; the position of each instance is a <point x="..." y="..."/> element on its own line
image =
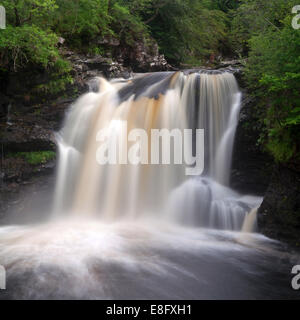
<point x="279" y="214"/>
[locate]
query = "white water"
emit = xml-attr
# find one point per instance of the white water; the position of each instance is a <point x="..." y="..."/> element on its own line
<point x="113" y="192"/>
<point x="147" y="224"/>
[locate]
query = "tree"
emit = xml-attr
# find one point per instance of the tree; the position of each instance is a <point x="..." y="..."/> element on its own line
<point x="189" y="30"/>
<point x="273" y="74"/>
<point x="27" y="38"/>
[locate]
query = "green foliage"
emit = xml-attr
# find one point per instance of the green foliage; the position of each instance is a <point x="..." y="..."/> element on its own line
<point x="81" y="22"/>
<point x="29" y="41"/>
<point x="26" y="44"/>
<point x="21" y="12"/>
<point x="226" y="5"/>
<point x="126" y="22"/>
<point x="255" y="17"/>
<point x="27" y="38"/>
<point x="59" y="78"/>
<point x="273" y="73"/>
<point x="186" y="30"/>
<point x="189" y="30"/>
<point x="35" y="158"/>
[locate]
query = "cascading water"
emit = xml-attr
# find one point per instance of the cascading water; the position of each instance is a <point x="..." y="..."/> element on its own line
<point x="145" y="230"/>
<point x="153" y="101"/>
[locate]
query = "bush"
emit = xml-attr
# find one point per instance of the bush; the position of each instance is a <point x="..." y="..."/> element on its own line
<point x="23" y="45"/>
<point x="273" y="72"/>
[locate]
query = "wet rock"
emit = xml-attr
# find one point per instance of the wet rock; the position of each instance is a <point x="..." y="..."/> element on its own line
<point x="108" y="41"/>
<point x="61" y="41"/>
<point x="231" y="63"/>
<point x="254" y="171"/>
<point x="32" y="128"/>
<point x="22" y="136"/>
<point x="145" y="57"/>
<point x="279" y="214"/>
<point x="86" y="67"/>
<point x="4" y="102"/>
<point x="251" y="166"/>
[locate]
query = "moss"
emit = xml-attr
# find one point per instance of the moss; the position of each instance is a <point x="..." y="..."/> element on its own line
<point x="37" y="111"/>
<point x="55" y="86"/>
<point x="34" y="158"/>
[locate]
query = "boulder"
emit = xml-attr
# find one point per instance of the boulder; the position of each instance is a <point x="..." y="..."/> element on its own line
<point x="279" y="214"/>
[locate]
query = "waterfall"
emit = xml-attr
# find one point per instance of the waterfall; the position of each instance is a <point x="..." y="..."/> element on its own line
<point x="158" y="101"/>
<point x="157" y="221"/>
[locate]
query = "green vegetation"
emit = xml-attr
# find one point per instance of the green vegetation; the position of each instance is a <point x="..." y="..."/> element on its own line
<point x="34" y="158"/>
<point x="29" y="40"/>
<point x="28" y="37"/>
<point x="263" y="30"/>
<point x="188" y="32"/>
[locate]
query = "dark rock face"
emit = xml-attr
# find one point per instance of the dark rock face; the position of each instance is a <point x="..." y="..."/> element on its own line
<point x="86" y="67"/>
<point x="145" y="57"/>
<point x="4" y="102"/>
<point x="254" y="171"/>
<point x="27" y="124"/>
<point x="279" y="214"/>
<point x="124" y="60"/>
<point x="251" y="167"/>
<point x="26" y="131"/>
<point x="31" y="128"/>
<point x="26" y="136"/>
